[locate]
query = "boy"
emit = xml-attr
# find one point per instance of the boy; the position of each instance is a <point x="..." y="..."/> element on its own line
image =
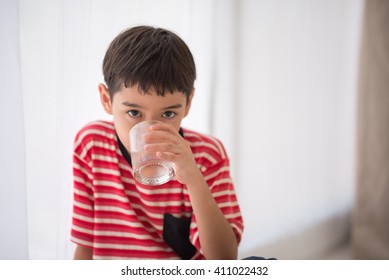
<point x="149" y="74"/>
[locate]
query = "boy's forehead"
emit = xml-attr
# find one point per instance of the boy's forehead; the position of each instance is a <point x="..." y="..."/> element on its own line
<point x="150" y="91"/>
<point x="135" y="94"/>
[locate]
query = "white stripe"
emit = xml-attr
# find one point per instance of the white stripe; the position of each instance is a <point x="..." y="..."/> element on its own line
<point x="117" y="234"/>
<point x="106" y="171"/>
<point x="133" y="247"/>
<point x="120" y="198"/>
<point x="233" y="215"/>
<point x="238" y="229"/>
<point x="190" y="134"/>
<point x="154" y="215"/>
<point x="83" y="218"/>
<point x="104" y="145"/>
<point x="201" y="167"/>
<point x="219" y="148"/>
<point x="217" y="143"/>
<point x="85" y="149"/>
<point x="158" y="190"/>
<point x="108" y="184"/>
<point x="155" y="203"/>
<point x="99" y="144"/>
<point x="195" y="237"/>
<point x="153" y="191"/>
<point x="205" y="155"/>
<point x="82" y="242"/>
<point x="82" y="181"/>
<point x="221" y="193"/>
<point x="221" y="182"/>
<point x="83" y="206"/>
<point x="145" y="202"/>
<point x="198" y="253"/>
<point x="101" y="123"/>
<point x="128" y="180"/>
<point x="118" y="210"/>
<point x="82" y="170"/>
<point x="137" y="195"/>
<point x="132" y="213"/>
<point x="113" y="221"/>
<point x="129" y="258"/>
<point x="125" y="167"/>
<point x="104" y="158"/>
<point x="92" y="131"/>
<point x="217" y="172"/>
<point x="193" y="225"/>
<point x="151" y="229"/>
<point x="84" y="194"/>
<point x="124" y="223"/>
<point x="228" y="204"/>
<point x="204" y="144"/>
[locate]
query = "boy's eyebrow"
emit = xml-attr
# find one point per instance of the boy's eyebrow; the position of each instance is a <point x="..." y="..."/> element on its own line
<point x="176" y="106"/>
<point x="134" y="105"/>
<point x="131" y="105"/>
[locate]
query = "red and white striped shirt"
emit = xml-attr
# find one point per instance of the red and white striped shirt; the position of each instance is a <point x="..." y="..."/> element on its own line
<point x="121" y="219"/>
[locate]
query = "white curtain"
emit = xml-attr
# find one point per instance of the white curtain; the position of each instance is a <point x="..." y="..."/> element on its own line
<point x="13" y="214"/>
<point x="62" y="47"/>
<point x="276" y="83"/>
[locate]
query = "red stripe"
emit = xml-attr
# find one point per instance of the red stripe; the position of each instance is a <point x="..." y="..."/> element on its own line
<point x="123" y="228"/>
<point x="133" y="253"/>
<point x="82" y="199"/>
<point x="83" y="212"/>
<point x="127" y="241"/>
<point x="83" y="236"/>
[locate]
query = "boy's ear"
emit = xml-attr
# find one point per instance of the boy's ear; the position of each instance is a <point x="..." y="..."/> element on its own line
<point x="189" y="103"/>
<point x="105" y="99"/>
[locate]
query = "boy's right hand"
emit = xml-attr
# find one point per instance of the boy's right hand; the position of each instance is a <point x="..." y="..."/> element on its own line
<point x="169" y="145"/>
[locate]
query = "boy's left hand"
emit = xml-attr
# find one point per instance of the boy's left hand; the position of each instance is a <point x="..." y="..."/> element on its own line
<point x="169" y="145"/>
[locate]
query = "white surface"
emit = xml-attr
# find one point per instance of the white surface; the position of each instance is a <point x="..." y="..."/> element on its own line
<point x="13" y="209"/>
<point x="296" y="114"/>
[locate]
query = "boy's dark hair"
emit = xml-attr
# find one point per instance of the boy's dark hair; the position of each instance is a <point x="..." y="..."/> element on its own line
<point x="150" y="57"/>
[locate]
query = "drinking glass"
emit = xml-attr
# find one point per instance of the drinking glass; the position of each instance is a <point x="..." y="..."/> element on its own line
<point x="147" y="167"/>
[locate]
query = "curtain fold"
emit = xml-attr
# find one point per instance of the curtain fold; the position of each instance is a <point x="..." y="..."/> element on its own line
<point x="371" y="217"/>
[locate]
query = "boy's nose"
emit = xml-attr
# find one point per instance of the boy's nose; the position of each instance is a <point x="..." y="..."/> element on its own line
<point x="156" y="119"/>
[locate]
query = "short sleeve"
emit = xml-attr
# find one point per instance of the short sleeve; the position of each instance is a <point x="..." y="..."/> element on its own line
<point x="83" y="199"/>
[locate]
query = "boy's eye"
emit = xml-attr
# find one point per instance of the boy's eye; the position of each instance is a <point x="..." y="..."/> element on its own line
<point x="134" y="113"/>
<point x="168" y="115"/>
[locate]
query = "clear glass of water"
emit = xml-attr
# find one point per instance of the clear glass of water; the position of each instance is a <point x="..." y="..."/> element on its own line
<point x="148" y="169"/>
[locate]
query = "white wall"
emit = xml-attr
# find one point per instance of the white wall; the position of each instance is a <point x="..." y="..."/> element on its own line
<point x="296" y="119"/>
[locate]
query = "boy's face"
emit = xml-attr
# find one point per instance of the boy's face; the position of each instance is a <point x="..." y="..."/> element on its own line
<point x="130" y="107"/>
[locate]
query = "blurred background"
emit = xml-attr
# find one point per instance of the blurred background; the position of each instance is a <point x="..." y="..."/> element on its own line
<point x="280" y="83"/>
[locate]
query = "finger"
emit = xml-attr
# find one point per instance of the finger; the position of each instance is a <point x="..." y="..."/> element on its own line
<point x="166" y="156"/>
<point x="161" y="136"/>
<point x="162" y="147"/>
<point x="163" y="126"/>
